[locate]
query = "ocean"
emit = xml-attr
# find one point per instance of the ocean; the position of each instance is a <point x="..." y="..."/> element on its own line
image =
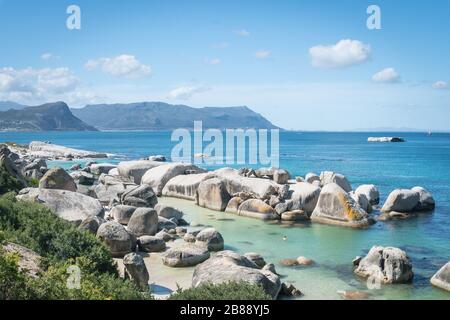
<point x="420" y="161"/>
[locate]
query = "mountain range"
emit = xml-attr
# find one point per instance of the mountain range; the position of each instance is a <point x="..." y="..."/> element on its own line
<point x="134" y="116"/>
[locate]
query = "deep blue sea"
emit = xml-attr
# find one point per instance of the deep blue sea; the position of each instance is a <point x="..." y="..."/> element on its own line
<point x="420" y="161"/>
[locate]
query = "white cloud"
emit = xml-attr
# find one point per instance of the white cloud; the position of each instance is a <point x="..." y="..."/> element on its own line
<point x="441" y="85"/>
<point x="242" y="33"/>
<point x="388" y="75"/>
<point x="213" y="61"/>
<point x="124" y="65"/>
<point x="186" y="92"/>
<point x="35" y="86"/>
<point x="48" y="56"/>
<point x="262" y="54"/>
<point x="344" y="53"/>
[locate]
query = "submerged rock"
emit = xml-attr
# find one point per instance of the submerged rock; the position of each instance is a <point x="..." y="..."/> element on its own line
<point x="353" y="295"/>
<point x="210" y="238"/>
<point x="442" y="278"/>
<point x="256" y="208"/>
<point x="336" y="207"/>
<point x="386" y="265"/>
<point x="228" y="266"/>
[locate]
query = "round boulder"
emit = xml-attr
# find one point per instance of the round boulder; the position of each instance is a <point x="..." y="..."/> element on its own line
<point x="117" y="239"/>
<point x="143" y="222"/>
<point x="185" y="255"/>
<point x="151" y="244"/>
<point x="57" y="178"/>
<point x="210" y="238"/>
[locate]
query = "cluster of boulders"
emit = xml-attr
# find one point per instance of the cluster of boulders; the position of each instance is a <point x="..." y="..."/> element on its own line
<point x="119" y="204"/>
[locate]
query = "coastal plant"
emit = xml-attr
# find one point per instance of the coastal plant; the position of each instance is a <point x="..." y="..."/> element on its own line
<point x="61" y="246"/>
<point x="222" y="291"/>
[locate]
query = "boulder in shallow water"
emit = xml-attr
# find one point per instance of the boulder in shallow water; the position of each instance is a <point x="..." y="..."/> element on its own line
<point x="327" y="177"/>
<point x="116" y="238"/>
<point x="303" y="196"/>
<point x="362" y="200"/>
<point x="157" y="177"/>
<point x="212" y="194"/>
<point x="168" y="212"/>
<point x="185" y="255"/>
<point x="68" y="205"/>
<point x="256" y="208"/>
<point x="228" y="266"/>
<point x="136" y="270"/>
<point x="442" y="278"/>
<point x="370" y="191"/>
<point x="336" y="207"/>
<point x="184" y="186"/>
<point x="401" y="200"/>
<point x="233" y="205"/>
<point x="210" y="238"/>
<point x="143" y="222"/>
<point x="57" y="178"/>
<point x="426" y="200"/>
<point x="139" y="196"/>
<point x="151" y="244"/>
<point x="294" y="215"/>
<point x="386" y="265"/>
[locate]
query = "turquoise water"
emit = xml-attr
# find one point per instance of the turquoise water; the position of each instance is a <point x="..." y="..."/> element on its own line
<point x="422" y="160"/>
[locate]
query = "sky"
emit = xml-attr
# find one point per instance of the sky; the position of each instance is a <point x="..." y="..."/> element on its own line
<point x="305" y="65"/>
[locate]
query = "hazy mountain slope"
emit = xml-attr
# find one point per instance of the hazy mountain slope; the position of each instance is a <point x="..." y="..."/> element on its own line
<point x="47" y="117"/>
<point x="163" y="116"/>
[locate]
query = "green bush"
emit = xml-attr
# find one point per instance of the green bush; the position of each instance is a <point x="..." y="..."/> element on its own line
<point x="34" y="226"/>
<point x="60" y="244"/>
<point x="224" y="291"/>
<point x="8" y="183"/>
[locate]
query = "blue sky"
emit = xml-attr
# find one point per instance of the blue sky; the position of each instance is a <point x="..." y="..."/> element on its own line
<point x="308" y="65"/>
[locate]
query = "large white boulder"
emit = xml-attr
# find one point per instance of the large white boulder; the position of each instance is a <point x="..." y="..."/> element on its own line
<point x="212" y="194"/>
<point x="210" y="238"/>
<point x="303" y="196"/>
<point x="157" y="177"/>
<point x="134" y="170"/>
<point x="69" y="205"/>
<point x="370" y="191"/>
<point x="57" y="178"/>
<point x="235" y="183"/>
<point x="327" y="177"/>
<point x="426" y="200"/>
<point x="143" y="222"/>
<point x="255" y="208"/>
<point x="401" y="200"/>
<point x="386" y="265"/>
<point x="184" y="186"/>
<point x="335" y="206"/>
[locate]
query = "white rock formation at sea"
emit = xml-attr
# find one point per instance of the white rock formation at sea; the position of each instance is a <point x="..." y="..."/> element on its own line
<point x="48" y="150"/>
<point x="385" y="139"/>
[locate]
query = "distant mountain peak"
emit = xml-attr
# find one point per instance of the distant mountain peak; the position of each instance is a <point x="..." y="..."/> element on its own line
<point x="164" y="116"/>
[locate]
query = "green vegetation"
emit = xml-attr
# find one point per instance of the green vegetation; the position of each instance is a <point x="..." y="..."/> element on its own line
<point x="61" y="245"/>
<point x="224" y="291"/>
<point x="8" y="183"/>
